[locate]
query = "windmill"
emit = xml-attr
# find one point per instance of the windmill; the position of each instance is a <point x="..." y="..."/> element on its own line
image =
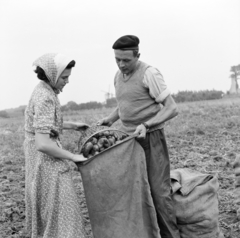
<point x="108" y="94"/>
<point x="235" y="70"/>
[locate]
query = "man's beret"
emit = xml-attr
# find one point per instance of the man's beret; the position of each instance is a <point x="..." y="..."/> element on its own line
<point x="128" y="42"/>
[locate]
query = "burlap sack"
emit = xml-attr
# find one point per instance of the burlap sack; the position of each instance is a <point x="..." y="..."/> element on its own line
<point x="236" y="166"/>
<point x="118" y="193"/>
<point x="196" y="203"/>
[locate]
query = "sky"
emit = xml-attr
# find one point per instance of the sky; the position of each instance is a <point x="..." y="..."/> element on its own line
<point x="192" y="42"/>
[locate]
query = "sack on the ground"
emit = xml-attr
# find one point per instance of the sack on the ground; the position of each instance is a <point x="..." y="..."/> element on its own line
<point x="196" y="203"/>
<point x="118" y="194"/>
<point x="236" y="166"/>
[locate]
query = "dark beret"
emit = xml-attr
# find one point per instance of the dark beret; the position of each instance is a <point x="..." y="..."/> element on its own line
<point x="128" y="42"/>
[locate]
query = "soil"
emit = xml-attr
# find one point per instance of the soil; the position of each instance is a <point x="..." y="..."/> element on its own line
<point x="204" y="137"/>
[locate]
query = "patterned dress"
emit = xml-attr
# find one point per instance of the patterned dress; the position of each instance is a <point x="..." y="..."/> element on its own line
<point x="52" y="206"/>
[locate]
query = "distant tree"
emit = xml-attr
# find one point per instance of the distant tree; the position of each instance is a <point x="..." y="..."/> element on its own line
<point x="192" y="96"/>
<point x="72" y="106"/>
<point x="64" y="108"/>
<point x="4" y="114"/>
<point x="90" y="105"/>
<point x="21" y="109"/>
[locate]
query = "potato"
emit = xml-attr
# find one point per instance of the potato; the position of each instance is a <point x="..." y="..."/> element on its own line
<point x="106" y="133"/>
<point x="123" y="137"/>
<point x="111" y="133"/>
<point x="100" y="134"/>
<point x="116" y="136"/>
<point x="86" y="149"/>
<point x="95" y="148"/>
<point x="99" y="145"/>
<point x="106" y="143"/>
<point x="101" y="141"/>
<point x="94" y="140"/>
<point x="112" y="140"/>
<point x="92" y="152"/>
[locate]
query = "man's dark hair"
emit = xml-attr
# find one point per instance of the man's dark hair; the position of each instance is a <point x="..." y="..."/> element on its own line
<point x="42" y="76"/>
<point x="135" y="53"/>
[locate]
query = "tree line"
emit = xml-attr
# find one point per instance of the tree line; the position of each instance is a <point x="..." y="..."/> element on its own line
<point x="73" y="106"/>
<point x="181" y="96"/>
<point x="192" y="96"/>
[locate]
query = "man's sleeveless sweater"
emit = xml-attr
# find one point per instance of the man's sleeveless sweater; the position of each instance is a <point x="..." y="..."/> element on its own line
<point x="134" y="101"/>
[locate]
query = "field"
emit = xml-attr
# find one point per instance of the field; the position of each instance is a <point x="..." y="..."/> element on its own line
<point x="203" y="137"/>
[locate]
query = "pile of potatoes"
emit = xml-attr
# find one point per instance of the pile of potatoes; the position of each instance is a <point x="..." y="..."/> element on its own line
<point x="101" y="141"/>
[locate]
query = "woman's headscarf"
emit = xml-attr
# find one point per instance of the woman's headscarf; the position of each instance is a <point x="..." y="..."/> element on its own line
<point x="53" y="65"/>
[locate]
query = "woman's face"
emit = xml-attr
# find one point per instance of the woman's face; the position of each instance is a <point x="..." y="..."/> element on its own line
<point x="63" y="79"/>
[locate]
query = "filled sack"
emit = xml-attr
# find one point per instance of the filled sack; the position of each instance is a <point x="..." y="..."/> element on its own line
<point x="236" y="166"/>
<point x="118" y="193"/>
<point x="196" y="203"/>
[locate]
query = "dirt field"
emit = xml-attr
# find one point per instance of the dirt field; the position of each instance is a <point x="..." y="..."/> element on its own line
<point x="204" y="137"/>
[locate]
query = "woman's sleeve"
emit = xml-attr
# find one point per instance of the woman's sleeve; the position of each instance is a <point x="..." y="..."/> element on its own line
<point x="44" y="115"/>
<point x="154" y="81"/>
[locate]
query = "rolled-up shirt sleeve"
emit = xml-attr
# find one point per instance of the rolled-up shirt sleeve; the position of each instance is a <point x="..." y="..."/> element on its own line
<point x="153" y="80"/>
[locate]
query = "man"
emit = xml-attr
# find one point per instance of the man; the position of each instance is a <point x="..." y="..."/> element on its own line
<point x="144" y="104"/>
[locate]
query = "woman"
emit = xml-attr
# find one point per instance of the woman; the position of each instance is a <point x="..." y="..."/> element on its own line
<point x="52" y="207"/>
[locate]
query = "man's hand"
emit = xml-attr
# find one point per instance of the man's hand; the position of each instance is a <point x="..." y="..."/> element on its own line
<point x="104" y="122"/>
<point x="140" y="132"/>
<point x="110" y="119"/>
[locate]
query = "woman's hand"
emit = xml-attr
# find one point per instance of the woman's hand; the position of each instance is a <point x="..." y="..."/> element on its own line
<point x="45" y="145"/>
<point x="78" y="158"/>
<point x="80" y="126"/>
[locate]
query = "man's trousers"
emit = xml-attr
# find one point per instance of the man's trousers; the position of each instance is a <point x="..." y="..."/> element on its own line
<point x="158" y="169"/>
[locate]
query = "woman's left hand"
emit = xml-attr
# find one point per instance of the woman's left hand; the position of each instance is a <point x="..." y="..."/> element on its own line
<point x="78" y="126"/>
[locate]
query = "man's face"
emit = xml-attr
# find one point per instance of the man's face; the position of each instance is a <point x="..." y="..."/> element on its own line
<point x="125" y="60"/>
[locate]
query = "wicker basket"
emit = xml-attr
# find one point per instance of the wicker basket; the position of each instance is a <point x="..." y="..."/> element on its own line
<point x="93" y="132"/>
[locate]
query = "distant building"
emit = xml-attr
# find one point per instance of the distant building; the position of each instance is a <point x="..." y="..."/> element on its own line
<point x="234" y="86"/>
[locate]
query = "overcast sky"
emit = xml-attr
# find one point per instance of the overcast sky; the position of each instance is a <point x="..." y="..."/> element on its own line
<point x="192" y="42"/>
